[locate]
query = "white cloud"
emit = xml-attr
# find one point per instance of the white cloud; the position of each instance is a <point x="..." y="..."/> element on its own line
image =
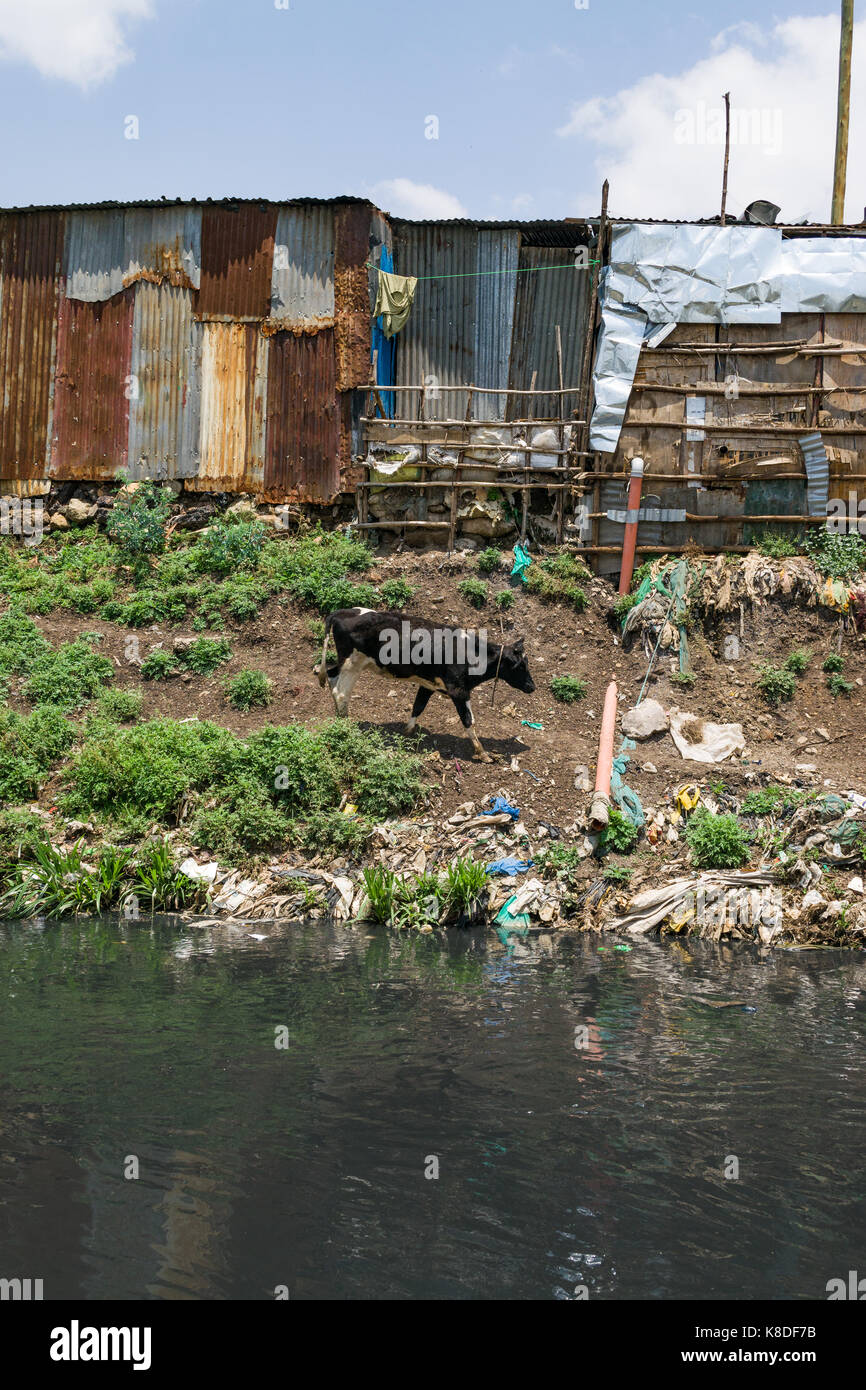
<point x="661" y="141"/>
<point x="78" y="41"/>
<point x="407" y="199"/>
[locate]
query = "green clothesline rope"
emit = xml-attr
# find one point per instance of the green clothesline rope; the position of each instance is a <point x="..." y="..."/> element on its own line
<point x="468" y="274"/>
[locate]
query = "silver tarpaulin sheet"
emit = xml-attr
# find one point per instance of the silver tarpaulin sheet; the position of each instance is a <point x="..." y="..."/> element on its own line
<point x="827" y="274"/>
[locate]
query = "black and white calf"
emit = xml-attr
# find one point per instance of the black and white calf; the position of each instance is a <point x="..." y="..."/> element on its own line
<point x="438" y="660"/>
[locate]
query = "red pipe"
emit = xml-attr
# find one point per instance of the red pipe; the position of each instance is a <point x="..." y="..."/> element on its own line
<point x="629" y="540"/>
<point x="601" y="800"/>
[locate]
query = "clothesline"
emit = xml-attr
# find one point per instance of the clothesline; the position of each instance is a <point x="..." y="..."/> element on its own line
<point x="466" y="274"/>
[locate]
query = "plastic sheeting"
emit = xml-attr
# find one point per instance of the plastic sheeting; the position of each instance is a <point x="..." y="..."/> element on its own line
<point x="674" y="273"/>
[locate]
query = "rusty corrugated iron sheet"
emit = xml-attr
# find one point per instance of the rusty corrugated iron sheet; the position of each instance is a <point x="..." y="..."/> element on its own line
<point x="302" y="284"/>
<point x="165" y="387"/>
<point x="162" y="245"/>
<point x="237" y="256"/>
<point x="91" y="405"/>
<point x="234" y="372"/>
<point x="303" y="419"/>
<point x="353" y="326"/>
<point x="93" y="256"/>
<point x="31" y="248"/>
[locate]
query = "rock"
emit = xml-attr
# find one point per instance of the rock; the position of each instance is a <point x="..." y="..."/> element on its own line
<point x="196" y="518"/>
<point x="806" y="767"/>
<point x="581" y="779"/>
<point x="856" y="885"/>
<point x="822" y="733"/>
<point x="242" y="510"/>
<point x="648" y="767"/>
<point x="645" y="719"/>
<point x="813" y="901"/>
<point x="182" y="644"/>
<point x="79" y="513"/>
<point x="57" y="521"/>
<point x="484" y="519"/>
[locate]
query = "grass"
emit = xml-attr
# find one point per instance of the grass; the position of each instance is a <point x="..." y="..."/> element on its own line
<point x="248" y="690"/>
<point x="556" y="579"/>
<point x="427" y="900"/>
<point x="568" y="689"/>
<point x="716" y="842"/>
<point x="474" y="591"/>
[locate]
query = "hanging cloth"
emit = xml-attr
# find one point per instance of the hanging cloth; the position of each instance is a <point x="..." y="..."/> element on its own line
<point x="394" y="300"/>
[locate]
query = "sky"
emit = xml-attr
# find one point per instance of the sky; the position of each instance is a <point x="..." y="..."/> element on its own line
<point x="432" y="108"/>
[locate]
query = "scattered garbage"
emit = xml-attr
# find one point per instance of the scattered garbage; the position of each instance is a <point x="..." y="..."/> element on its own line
<point x="501" y="807"/>
<point x="509" y="866"/>
<point x="529" y="724"/>
<point x="522" y="561"/>
<point x="701" y="741"/>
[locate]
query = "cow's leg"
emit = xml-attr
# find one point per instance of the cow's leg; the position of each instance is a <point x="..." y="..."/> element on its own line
<point x="343" y="643"/>
<point x="421" y="701"/>
<point x="464" y="709"/>
<point x="344" y="684"/>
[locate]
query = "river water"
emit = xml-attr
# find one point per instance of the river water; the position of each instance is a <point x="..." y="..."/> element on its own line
<point x="348" y="1114"/>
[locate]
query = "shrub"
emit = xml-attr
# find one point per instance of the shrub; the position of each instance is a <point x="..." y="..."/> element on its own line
<point x="248" y="689"/>
<point x="775" y="684"/>
<point x="158" y="665"/>
<point x="474" y="591"/>
<point x="778" y="546"/>
<point x="231" y="545"/>
<point x="505" y="599"/>
<point x="122" y="706"/>
<point x="568" y="689"/>
<point x="832" y="663"/>
<point x="837" y="555"/>
<point x="798" y="660"/>
<point x="619" y="835"/>
<point x="317" y="569"/>
<point x="205" y="655"/>
<point x="137" y="521"/>
<point x="716" y="842"/>
<point x="837" y="685"/>
<point x="555" y="580"/>
<point x="396" y="593"/>
<point x="489" y="560"/>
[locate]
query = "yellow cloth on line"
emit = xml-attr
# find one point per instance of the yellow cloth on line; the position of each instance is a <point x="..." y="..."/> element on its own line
<point x="394" y="300"/>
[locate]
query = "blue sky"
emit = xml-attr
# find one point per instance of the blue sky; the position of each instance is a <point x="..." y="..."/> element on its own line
<point x="535" y="103"/>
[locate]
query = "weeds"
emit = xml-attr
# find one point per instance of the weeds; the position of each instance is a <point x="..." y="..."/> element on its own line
<point x="504" y="599"/>
<point x="396" y="593"/>
<point x="568" y="689"/>
<point x="489" y="560"/>
<point x="555" y="580"/>
<point x="160" y="883"/>
<point x="121" y="706"/>
<point x="775" y="684"/>
<point x="474" y="591"/>
<point x="619" y="835"/>
<point x="138" y="519"/>
<point x="248" y="689"/>
<point x="716" y="842"/>
<point x="779" y="546"/>
<point x="836" y="555"/>
<point x="832" y="664"/>
<point x="798" y="660"/>
<point x="837" y="686"/>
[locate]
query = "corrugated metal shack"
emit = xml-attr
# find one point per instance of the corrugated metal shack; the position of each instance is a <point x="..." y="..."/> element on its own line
<point x="219" y="344"/>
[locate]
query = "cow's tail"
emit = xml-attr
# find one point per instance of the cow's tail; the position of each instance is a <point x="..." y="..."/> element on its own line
<point x="322" y="668"/>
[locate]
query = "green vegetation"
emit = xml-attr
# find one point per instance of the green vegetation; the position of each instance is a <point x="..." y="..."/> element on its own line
<point x="396" y="593"/>
<point x="248" y="689"/>
<point x="623" y="606"/>
<point x="59" y="882"/>
<point x="425" y="901"/>
<point x="120" y="706"/>
<point x="832" y="663"/>
<point x="773" y="801"/>
<point x="778" y="545"/>
<point x="617" y="874"/>
<point x="243" y="797"/>
<point x="619" y="835"/>
<point x="29" y="746"/>
<point x="159" y="882"/>
<point x="684" y="678"/>
<point x="158" y="665"/>
<point x="474" y="591"/>
<point x="203" y="656"/>
<point x="490" y="560"/>
<point x="716" y="842"/>
<point x="555" y="580"/>
<point x="798" y="660"/>
<point x="568" y="689"/>
<point x="775" y="683"/>
<point x="505" y="599"/>
<point x="138" y="519"/>
<point x="229" y="546"/>
<point x="836" y="554"/>
<point x="839" y="686"/>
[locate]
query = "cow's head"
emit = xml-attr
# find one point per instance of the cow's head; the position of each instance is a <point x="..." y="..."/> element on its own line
<point x="514" y="668"/>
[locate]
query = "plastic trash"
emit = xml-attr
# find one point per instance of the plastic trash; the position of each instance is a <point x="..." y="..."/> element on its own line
<point x="510" y="866"/>
<point x="528" y="723"/>
<point x="514" y="921"/>
<point x="522" y="561"/>
<point x="502" y="807"/>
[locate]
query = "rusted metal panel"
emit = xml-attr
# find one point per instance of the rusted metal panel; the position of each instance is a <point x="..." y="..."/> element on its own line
<point x="353" y="325"/>
<point x="303" y="419"/>
<point x="165" y="385"/>
<point x="163" y="245"/>
<point x="302" y="284"/>
<point x="237" y="256"/>
<point x="93" y="255"/>
<point x="31" y="248"/>
<point x="91" y="405"/>
<point x="234" y="371"/>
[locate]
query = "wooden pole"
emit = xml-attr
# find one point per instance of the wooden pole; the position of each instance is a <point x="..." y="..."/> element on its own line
<point x="727" y="154"/>
<point x="843" y="106"/>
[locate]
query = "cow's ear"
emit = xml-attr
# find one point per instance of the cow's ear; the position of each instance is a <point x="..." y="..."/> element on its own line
<point x="517" y="646"/>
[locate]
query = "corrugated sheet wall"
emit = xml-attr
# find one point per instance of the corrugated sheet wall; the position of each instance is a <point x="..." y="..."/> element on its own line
<point x="165" y="384"/>
<point x="303" y="434"/>
<point x="302" y="284"/>
<point x="550" y="291"/>
<point x="437" y="345"/>
<point x="31" y="248"/>
<point x="91" y="401"/>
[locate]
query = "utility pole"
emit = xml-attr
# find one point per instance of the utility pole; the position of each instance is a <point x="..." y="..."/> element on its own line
<point x="840" y="166"/>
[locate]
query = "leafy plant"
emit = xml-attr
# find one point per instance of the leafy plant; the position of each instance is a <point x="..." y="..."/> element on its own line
<point x="138" y="519"/>
<point x="836" y="554"/>
<point x="158" y="880"/>
<point x="684" y="678"/>
<point x="465" y="881"/>
<point x="716" y="842"/>
<point x="773" y="801"/>
<point x="779" y="545"/>
<point x="837" y="685"/>
<point x="231" y="545"/>
<point x="775" y="683"/>
<point x="205" y="655"/>
<point x="123" y="706"/>
<point x="505" y="599"/>
<point x="489" y="560"/>
<point x="619" y="835"/>
<point x="68" y="676"/>
<point x="555" y="580"/>
<point x="474" y="591"/>
<point x="159" y="664"/>
<point x="568" y="689"/>
<point x="832" y="663"/>
<point x="248" y="689"/>
<point x="798" y="660"/>
<point x="396" y="593"/>
<point x="623" y="605"/>
<point x="616" y="874"/>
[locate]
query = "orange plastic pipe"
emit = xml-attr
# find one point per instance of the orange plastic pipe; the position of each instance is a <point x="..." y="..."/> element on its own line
<point x="629" y="540"/>
<point x="604" y="766"/>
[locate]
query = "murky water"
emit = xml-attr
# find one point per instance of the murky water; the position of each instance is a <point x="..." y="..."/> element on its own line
<point x="559" y="1166"/>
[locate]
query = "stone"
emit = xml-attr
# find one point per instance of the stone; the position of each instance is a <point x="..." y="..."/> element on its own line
<point x="855" y="885"/>
<point x="242" y="510"/>
<point x="581" y="779"/>
<point x="644" y="720"/>
<point x="79" y="513"/>
<point x="57" y="521"/>
<point x="806" y="767"/>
